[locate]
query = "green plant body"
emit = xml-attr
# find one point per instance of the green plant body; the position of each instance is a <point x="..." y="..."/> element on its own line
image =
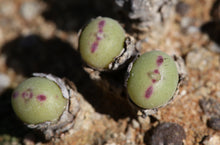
<point x="101" y="41"/>
<point x="37" y="100"/>
<point x="153" y="80"/>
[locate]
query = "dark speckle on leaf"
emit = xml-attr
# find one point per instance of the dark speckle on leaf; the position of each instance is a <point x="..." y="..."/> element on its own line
<point x="15" y="94"/>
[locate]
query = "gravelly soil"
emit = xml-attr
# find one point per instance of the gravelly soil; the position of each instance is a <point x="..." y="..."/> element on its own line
<point x="41" y="36"/>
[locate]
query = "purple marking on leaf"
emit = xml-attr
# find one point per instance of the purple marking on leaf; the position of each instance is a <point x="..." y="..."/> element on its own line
<point x="101" y="25"/>
<point x="156" y="71"/>
<point x="94" y="46"/>
<point x="159" y="60"/>
<point x="149" y="92"/>
<point x="98" y="38"/>
<point x="27" y="94"/>
<point x="23" y="94"/>
<point x="15" y="94"/>
<point x="100" y="31"/>
<point x="154" y="81"/>
<point x="41" y="98"/>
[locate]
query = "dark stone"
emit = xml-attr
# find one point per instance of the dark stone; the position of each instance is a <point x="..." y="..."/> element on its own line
<point x="215" y="11"/>
<point x="168" y="134"/>
<point x="214" y="123"/>
<point x="210" y="107"/>
<point x="182" y="8"/>
<point x="212" y="29"/>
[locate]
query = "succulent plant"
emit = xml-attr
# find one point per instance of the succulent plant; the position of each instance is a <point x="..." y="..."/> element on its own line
<point x="101" y="41"/>
<point x="38" y="100"/>
<point x="153" y="80"/>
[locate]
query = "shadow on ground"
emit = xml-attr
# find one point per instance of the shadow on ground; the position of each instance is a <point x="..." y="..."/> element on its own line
<point x="214" y="12"/>
<point x="33" y="54"/>
<point x="71" y="15"/>
<point x="212" y="28"/>
<point x="8" y="121"/>
<point x="10" y="126"/>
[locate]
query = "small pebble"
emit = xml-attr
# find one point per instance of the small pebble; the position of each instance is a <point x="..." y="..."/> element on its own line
<point x="130" y="135"/>
<point x="168" y="134"/>
<point x="186" y="22"/>
<point x="214" y="123"/>
<point x="4" y="82"/>
<point x="212" y="140"/>
<point x="110" y="143"/>
<point x="199" y="59"/>
<point x="29" y="139"/>
<point x="192" y="30"/>
<point x="218" y="94"/>
<point x="188" y="25"/>
<point x="7" y="8"/>
<point x="210" y="107"/>
<point x="135" y="124"/>
<point x="30" y="9"/>
<point x="214" y="47"/>
<point x="120" y="3"/>
<point x="144" y="122"/>
<point x="182" y="8"/>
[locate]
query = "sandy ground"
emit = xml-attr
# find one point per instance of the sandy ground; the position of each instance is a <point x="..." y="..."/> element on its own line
<point x="41" y="36"/>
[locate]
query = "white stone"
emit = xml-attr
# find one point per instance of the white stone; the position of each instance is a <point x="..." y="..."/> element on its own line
<point x="29" y="10"/>
<point x="4" y="82"/>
